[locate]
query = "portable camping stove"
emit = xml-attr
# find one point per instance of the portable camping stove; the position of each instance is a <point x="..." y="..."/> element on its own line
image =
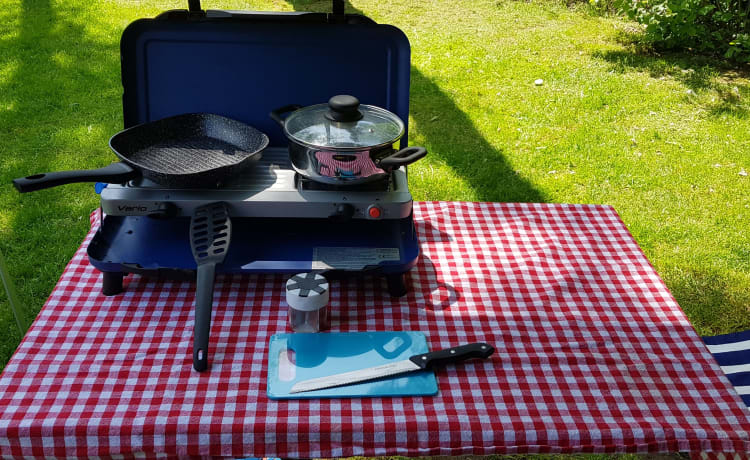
<point x="243" y="65"/>
<point x="282" y="224"/>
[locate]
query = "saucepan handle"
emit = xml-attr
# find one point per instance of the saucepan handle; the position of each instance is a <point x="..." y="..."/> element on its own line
<point x="276" y="115"/>
<point x="403" y="157"/>
<point x="116" y="173"/>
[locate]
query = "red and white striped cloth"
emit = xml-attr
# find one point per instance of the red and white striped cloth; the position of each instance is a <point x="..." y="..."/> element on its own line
<point x="593" y="355"/>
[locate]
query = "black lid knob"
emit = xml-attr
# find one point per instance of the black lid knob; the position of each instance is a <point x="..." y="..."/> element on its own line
<point x="343" y="108"/>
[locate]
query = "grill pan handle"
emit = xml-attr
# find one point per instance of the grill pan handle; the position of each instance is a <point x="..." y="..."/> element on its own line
<point x="116" y="173"/>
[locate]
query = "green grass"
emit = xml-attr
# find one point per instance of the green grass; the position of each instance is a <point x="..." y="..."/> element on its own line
<point x="662" y="138"/>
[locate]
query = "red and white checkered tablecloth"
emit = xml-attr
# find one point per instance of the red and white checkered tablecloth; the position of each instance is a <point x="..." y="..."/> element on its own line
<point x="593" y="355"/>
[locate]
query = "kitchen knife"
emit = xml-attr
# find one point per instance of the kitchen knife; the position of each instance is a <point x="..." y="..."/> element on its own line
<point x="414" y="363"/>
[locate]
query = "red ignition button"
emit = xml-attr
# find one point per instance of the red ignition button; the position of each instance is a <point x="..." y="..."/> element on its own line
<point x="374" y="212"/>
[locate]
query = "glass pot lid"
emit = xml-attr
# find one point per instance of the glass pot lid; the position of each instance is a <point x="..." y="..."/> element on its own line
<point x="343" y="124"/>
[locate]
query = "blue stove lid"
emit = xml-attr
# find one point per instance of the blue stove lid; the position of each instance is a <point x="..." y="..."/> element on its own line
<point x="243" y="65"/>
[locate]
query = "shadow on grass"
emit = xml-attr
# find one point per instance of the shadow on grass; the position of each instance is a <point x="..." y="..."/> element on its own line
<point x="454" y="139"/>
<point x="52" y="76"/>
<point x="695" y="72"/>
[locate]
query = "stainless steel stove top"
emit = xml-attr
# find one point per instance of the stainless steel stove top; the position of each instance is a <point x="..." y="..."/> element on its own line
<point x="266" y="189"/>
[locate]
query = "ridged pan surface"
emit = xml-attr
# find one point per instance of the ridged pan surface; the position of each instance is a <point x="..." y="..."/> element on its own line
<point x="189" y="150"/>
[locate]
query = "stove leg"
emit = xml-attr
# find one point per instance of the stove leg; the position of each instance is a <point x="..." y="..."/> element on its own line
<point x="396" y="285"/>
<point x="112" y="283"/>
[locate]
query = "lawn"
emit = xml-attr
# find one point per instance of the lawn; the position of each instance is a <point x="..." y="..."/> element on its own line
<point x="662" y="138"/>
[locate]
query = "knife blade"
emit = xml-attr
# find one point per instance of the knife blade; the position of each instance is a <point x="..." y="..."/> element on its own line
<point x="414" y="363"/>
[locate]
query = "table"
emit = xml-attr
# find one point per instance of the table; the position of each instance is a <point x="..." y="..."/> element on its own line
<point x="593" y="355"/>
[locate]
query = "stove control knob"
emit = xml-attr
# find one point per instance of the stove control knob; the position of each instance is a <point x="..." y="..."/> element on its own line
<point x="374" y="212"/>
<point x="343" y="212"/>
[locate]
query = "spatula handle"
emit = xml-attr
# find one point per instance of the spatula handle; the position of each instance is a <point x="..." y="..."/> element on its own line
<point x="452" y="355"/>
<point x="204" y="296"/>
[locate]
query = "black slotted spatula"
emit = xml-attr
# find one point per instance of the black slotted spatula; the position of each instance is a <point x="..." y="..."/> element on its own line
<point x="210" y="232"/>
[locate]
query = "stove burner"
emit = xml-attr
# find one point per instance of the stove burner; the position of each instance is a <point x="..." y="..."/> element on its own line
<point x="381" y="185"/>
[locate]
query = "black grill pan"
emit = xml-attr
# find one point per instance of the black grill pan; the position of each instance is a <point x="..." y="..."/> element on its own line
<point x="192" y="150"/>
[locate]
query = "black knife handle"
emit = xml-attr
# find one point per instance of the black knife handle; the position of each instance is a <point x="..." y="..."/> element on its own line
<point x="452" y="355"/>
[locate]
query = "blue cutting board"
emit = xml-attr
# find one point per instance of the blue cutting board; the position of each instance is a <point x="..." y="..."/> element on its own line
<point x="318" y="355"/>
